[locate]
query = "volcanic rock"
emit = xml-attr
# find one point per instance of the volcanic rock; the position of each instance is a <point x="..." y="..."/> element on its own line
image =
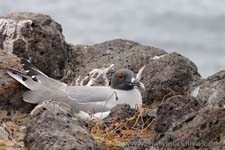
<point x="212" y="90"/>
<point x="173" y="109"/>
<point x="37" y="37"/>
<point x="169" y="75"/>
<point x="200" y="131"/>
<point x="54" y="126"/>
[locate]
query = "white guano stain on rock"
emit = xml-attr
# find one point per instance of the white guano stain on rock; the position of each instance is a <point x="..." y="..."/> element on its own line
<point x="212" y="98"/>
<point x="158" y="57"/>
<point x="194" y="93"/>
<point x="11" y="30"/>
<point x="94" y="75"/>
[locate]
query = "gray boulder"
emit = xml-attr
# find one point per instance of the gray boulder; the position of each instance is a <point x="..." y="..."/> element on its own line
<point x="173" y="109"/>
<point x="53" y="126"/>
<point x="37" y="37"/>
<point x="169" y="75"/>
<point x="212" y="90"/>
<point x="200" y="131"/>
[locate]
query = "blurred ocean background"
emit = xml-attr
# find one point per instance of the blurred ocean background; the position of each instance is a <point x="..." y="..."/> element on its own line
<point x="194" y="28"/>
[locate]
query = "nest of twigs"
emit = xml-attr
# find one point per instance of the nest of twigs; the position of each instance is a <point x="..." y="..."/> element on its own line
<point x="118" y="133"/>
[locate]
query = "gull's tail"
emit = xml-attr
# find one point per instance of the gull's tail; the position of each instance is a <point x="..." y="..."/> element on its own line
<point x="41" y="86"/>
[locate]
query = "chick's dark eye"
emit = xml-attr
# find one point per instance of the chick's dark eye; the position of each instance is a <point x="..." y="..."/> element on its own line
<point x="120" y="77"/>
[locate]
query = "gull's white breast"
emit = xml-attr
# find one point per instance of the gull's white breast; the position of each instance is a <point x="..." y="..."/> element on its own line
<point x="132" y="97"/>
<point x="101" y="99"/>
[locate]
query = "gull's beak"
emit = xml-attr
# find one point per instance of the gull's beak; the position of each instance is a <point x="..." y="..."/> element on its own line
<point x="138" y="83"/>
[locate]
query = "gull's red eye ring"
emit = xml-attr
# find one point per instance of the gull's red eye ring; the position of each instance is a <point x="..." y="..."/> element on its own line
<point x="120" y="76"/>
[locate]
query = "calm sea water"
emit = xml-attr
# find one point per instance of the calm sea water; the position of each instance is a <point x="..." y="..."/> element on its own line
<point x="194" y="28"/>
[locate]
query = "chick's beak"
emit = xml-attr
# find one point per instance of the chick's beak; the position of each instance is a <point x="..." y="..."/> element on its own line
<point x="138" y="83"/>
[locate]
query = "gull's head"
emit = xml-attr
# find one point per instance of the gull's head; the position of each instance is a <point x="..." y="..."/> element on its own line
<point x="124" y="79"/>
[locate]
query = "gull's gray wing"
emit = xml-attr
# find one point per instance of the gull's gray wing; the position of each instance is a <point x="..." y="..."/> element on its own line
<point x="85" y="94"/>
<point x="43" y="88"/>
<point x="80" y="94"/>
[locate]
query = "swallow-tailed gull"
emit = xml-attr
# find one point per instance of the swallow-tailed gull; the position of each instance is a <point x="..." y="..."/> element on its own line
<point x="88" y="101"/>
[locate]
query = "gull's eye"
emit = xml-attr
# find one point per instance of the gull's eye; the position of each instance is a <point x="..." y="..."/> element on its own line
<point x="120" y="76"/>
